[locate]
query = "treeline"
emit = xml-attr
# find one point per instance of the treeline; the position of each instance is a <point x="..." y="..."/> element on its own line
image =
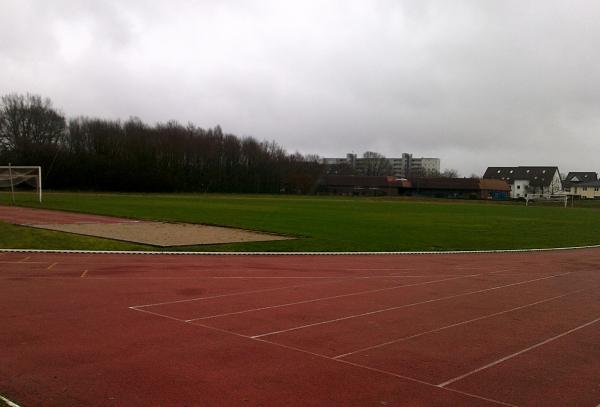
<point x="98" y="154"/>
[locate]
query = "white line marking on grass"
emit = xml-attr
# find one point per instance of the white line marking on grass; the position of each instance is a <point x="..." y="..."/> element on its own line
<point x="504" y="359"/>
<point x="405" y="338"/>
<point x="405" y="306"/>
<point x="7" y="401"/>
<point x="229" y="295"/>
<point x="289" y="304"/>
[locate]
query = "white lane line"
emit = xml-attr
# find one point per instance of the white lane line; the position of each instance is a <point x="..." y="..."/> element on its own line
<point x="504" y="359"/>
<point x="8" y="402"/>
<point x="411" y="379"/>
<point x="372" y="369"/>
<point x="306" y="285"/>
<point x="327" y="358"/>
<point x="382" y="269"/>
<point x="331" y="277"/>
<point x="157" y="314"/>
<point x="289" y="304"/>
<point x="264" y="290"/>
<point x="267" y="278"/>
<point x="406" y="306"/>
<point x="405" y="338"/>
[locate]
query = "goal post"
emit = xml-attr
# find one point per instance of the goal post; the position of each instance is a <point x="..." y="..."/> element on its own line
<point x="11" y="176"/>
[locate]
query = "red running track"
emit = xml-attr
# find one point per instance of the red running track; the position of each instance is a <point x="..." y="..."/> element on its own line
<point x="420" y="330"/>
<point x="27" y="216"/>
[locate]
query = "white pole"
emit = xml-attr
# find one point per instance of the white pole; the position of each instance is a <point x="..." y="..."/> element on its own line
<point x="12" y="187"/>
<point x="40" y="182"/>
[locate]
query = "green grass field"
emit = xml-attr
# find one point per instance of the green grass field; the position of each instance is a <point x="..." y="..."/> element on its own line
<point x="326" y="223"/>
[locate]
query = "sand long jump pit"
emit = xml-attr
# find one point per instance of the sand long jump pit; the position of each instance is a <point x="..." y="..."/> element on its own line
<point x="146" y="232"/>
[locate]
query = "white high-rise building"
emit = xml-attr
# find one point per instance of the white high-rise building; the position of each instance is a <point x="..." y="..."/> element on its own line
<point x="400" y="167"/>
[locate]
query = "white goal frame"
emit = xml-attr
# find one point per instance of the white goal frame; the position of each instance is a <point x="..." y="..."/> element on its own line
<point x="561" y="198"/>
<point x="38" y="177"/>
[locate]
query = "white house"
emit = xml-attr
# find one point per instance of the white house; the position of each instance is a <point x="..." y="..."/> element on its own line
<point x="527" y="180"/>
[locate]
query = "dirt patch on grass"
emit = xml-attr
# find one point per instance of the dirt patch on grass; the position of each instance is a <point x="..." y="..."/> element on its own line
<point x="164" y="234"/>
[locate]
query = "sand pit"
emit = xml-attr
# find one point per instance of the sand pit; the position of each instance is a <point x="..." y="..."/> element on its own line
<point x="164" y="234"/>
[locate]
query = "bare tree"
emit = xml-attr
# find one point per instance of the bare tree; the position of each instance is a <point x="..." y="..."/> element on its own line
<point x="27" y="120"/>
<point x="375" y="164"/>
<point x="449" y="173"/>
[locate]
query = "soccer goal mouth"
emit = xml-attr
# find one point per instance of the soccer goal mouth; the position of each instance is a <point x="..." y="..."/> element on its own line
<point x="13" y="176"/>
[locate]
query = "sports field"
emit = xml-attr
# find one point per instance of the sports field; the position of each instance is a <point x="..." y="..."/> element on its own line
<point x="326" y="223"/>
<point x="511" y="329"/>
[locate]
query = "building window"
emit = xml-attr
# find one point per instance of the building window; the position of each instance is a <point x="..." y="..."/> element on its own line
<point x="518" y="186"/>
<point x="585" y="188"/>
<point x="596" y="188"/>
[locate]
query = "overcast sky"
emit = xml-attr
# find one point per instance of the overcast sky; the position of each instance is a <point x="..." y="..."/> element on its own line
<point x="475" y="83"/>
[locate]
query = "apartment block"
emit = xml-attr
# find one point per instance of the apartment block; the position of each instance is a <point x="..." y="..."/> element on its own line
<point x="405" y="166"/>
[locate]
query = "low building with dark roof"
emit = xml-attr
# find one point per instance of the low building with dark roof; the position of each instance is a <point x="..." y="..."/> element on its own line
<point x="361" y="185"/>
<point x="527" y="180"/>
<point x="461" y="188"/>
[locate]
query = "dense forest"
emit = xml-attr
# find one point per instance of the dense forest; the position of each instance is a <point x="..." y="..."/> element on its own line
<point x="96" y="154"/>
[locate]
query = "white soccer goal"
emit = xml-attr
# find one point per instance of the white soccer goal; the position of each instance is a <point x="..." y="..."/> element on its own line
<point x="540" y="199"/>
<point x="12" y="176"/>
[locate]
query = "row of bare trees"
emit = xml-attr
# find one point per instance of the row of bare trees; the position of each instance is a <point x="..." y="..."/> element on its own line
<point x="91" y="153"/>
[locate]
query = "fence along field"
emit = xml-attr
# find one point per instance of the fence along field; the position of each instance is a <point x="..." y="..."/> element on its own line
<point x="325" y="223"/>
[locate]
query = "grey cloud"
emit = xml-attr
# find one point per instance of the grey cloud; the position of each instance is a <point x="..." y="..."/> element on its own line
<point x="475" y="83"/>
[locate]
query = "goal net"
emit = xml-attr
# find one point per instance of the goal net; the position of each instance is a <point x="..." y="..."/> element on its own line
<point x="550" y="200"/>
<point x="17" y="179"/>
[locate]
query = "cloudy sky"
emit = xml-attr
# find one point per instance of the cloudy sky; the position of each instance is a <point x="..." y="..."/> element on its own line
<point x="475" y="83"/>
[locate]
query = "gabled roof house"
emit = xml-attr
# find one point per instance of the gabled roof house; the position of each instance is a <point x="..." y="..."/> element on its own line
<point x="525" y="180"/>
<point x="577" y="177"/>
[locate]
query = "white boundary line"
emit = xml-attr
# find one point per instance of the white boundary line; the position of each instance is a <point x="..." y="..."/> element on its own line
<point x="357" y="253"/>
<point x="262" y="290"/>
<point x="7" y="401"/>
<point x="404" y="306"/>
<point x="537" y="345"/>
<point x="346" y="362"/>
<point x="374" y="290"/>
<point x="506" y="311"/>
